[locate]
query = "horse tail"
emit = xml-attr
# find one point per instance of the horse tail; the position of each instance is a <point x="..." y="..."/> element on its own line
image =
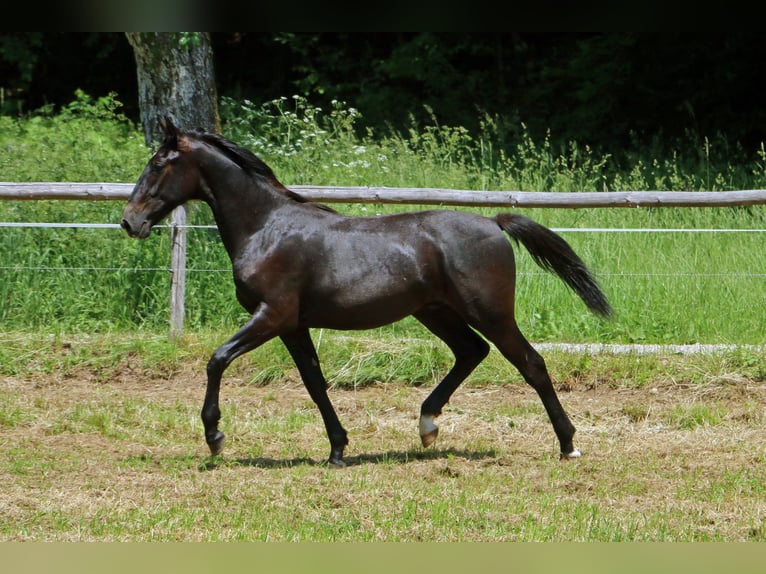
<point x="554" y="254"/>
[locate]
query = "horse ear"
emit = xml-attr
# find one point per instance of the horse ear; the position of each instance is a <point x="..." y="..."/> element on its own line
<point x="169" y="130"/>
<point x="167" y="126"/>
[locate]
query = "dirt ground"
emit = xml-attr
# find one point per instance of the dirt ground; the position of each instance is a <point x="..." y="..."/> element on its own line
<point x="650" y="417"/>
<point x="620" y="431"/>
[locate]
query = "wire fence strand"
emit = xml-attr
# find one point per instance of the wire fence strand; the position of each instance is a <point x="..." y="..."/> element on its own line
<point x="72" y="225"/>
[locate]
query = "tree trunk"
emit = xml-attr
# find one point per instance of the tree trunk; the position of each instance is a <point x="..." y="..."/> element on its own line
<point x="176" y="78"/>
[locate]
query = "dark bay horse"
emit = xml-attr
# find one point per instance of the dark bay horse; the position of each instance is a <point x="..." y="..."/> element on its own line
<point x="299" y="264"/>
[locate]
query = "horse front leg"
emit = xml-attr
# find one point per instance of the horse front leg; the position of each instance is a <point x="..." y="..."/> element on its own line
<point x="303" y="352"/>
<point x="258" y="330"/>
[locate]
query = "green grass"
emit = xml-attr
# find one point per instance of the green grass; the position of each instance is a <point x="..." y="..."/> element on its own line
<point x="349" y="361"/>
<point x="99" y="412"/>
<point x="437" y="499"/>
<point x="665" y="287"/>
<point x="692" y="416"/>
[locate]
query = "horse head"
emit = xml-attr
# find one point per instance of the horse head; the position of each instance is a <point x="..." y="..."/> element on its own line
<point x="168" y="180"/>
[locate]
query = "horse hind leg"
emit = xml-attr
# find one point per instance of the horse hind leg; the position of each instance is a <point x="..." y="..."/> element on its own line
<point x="531" y="365"/>
<point x="469" y="350"/>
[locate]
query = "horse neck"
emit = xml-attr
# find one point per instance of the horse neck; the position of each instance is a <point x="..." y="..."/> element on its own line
<point x="241" y="203"/>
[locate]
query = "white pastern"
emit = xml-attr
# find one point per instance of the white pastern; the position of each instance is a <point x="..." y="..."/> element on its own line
<point x="574" y="454"/>
<point x="428" y="430"/>
<point x="427" y="425"/>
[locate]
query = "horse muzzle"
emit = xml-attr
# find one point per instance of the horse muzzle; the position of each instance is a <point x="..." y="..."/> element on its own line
<point x="137" y="229"/>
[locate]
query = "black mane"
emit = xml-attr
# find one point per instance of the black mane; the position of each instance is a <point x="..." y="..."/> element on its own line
<point x="250" y="163"/>
<point x="244" y="158"/>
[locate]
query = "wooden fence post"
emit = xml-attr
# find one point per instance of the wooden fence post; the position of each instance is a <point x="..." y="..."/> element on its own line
<point x="177" y="272"/>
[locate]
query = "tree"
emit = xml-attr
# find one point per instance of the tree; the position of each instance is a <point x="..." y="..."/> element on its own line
<point x="176" y="78"/>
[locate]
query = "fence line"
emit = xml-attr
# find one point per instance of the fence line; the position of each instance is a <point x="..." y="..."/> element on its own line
<point x="410" y="196"/>
<point x="521" y="273"/>
<point x="425" y="196"/>
<point x="63" y="225"/>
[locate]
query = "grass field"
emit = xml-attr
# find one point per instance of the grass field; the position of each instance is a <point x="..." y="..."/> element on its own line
<point x="99" y="413"/>
<point x="103" y="442"/>
<point x="662" y="285"/>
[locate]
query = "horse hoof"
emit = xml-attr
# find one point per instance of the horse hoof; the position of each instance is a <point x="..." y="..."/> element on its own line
<point x="336" y="463"/>
<point x="429" y="439"/>
<point x="216" y="445"/>
<point x="570" y="456"/>
<point x="428" y="430"/>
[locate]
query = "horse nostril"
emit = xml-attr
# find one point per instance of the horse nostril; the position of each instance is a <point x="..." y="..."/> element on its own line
<point x="125" y="225"/>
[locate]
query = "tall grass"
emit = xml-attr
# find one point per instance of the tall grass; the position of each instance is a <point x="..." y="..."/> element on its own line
<point x="665" y="287"/>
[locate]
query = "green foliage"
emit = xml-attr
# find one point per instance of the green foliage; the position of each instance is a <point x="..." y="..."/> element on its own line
<point x="189" y="40"/>
<point x="665" y="287"/>
<point x="88" y="140"/>
<point x="614" y="91"/>
<point x="20" y="51"/>
<point x="294" y="138"/>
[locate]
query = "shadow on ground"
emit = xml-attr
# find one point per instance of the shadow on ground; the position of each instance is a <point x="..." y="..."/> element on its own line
<point x="388" y="457"/>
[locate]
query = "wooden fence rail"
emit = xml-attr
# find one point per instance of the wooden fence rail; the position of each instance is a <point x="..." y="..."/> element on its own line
<point x="410" y="196"/>
<point x="425" y="196"/>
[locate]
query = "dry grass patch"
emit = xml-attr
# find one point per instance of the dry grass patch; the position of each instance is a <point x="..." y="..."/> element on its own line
<point x="122" y="457"/>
